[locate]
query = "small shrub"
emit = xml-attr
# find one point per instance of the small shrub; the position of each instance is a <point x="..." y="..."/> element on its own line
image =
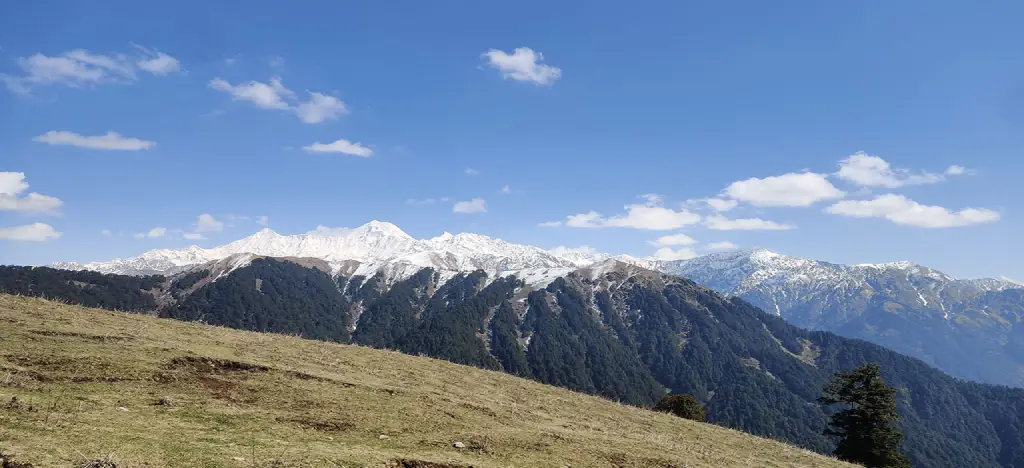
<point x="684" y="406"/>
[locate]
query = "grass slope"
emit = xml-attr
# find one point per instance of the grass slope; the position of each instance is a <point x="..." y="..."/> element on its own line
<point x="79" y="384"/>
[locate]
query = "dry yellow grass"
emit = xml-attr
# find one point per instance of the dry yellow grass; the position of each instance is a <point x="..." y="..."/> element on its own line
<point x="88" y="383"/>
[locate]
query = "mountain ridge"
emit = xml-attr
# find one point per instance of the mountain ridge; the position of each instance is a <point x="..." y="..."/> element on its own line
<point x="965" y="327"/>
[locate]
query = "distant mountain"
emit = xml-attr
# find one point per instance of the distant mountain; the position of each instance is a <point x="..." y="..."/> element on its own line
<point x="966" y="327"/>
<point x="611" y="329"/>
<point x="374" y="246"/>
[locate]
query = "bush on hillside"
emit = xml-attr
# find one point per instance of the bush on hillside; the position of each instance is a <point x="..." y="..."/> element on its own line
<point x="684" y="406"/>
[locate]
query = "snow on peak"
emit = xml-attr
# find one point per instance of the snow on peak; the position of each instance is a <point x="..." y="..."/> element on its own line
<point x="381" y="228"/>
<point x="899" y="265"/>
<point x="373" y="244"/>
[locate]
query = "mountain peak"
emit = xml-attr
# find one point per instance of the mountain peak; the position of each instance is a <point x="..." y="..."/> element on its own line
<point x="266" y="232"/>
<point x="382" y="227"/>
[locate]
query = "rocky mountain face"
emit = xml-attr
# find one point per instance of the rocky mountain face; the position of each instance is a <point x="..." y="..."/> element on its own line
<point x="612" y="329"/>
<point x="969" y="328"/>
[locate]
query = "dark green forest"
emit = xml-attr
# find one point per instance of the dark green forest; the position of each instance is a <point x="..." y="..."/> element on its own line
<point x="88" y="288"/>
<point x="270" y="296"/>
<point x="631" y="338"/>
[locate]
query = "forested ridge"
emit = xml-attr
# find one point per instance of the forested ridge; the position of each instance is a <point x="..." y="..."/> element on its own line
<point x="627" y="334"/>
<point x="88" y="288"/>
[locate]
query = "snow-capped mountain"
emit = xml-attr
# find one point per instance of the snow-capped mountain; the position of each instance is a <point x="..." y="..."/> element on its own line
<point x="375" y="246"/>
<point x="817" y="294"/>
<point x="916" y="310"/>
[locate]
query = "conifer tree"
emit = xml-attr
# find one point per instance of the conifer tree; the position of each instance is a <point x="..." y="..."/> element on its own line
<point x="867" y="424"/>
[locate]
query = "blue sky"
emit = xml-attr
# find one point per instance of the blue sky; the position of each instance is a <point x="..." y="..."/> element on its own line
<point x="377" y="109"/>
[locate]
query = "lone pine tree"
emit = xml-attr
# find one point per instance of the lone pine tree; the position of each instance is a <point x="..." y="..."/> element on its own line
<point x="867" y="424"/>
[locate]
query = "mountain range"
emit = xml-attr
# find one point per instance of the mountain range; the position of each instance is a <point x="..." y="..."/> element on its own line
<point x="612" y="328"/>
<point x="968" y="328"/>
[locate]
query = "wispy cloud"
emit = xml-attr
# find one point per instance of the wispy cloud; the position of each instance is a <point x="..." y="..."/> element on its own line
<point x="80" y="68"/>
<point x="650" y="215"/>
<point x="110" y="141"/>
<point x="340" y="146"/>
<point x="274" y="95"/>
<point x="872" y="171"/>
<point x="153" y="233"/>
<point x="721" y="223"/>
<point x="476" y="205"/>
<point x="904" y="211"/>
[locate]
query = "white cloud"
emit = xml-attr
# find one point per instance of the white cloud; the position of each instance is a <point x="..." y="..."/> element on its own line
<point x="263" y="95"/>
<point x="721" y="223"/>
<point x="13" y="185"/>
<point x="329" y="231"/>
<point x="724" y="245"/>
<point x="79" y="68"/>
<point x="274" y="95"/>
<point x="470" y="171"/>
<point x="340" y="146"/>
<point x="674" y="239"/>
<point x="955" y="170"/>
<point x="523" y="65"/>
<point x="155" y="232"/>
<point x="320" y="107"/>
<point x="106" y="233"/>
<point x="666" y="253"/>
<point x="207" y="223"/>
<point x="35" y="232"/>
<point x="276" y="61"/>
<point x="650" y="215"/>
<point x="792" y="189"/>
<point x="904" y="211"/>
<point x="721" y="204"/>
<point x="476" y="205"/>
<point x="872" y="171"/>
<point x="157" y="63"/>
<point x="262" y="220"/>
<point x="506" y="190"/>
<point x="110" y="141"/>
<point x="192" y="236"/>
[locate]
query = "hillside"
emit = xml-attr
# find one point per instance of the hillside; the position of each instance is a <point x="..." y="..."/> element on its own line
<point x="613" y="329"/>
<point x="80" y="383"/>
